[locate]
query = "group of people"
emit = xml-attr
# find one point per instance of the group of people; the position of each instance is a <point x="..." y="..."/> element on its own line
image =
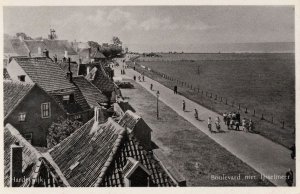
<point x="217" y="125"/>
<point x="140" y="78"/>
<point x="233" y="122"/>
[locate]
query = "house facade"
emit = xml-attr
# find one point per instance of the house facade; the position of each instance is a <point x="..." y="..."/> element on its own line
<point x="57" y="83"/>
<point x="31" y="110"/>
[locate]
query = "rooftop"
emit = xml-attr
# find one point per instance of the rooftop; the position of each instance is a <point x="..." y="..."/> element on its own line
<point x="100" y="79"/>
<point x="33" y="161"/>
<point x="91" y="93"/>
<point x="13" y="93"/>
<point x="45" y="73"/>
<point x="103" y="156"/>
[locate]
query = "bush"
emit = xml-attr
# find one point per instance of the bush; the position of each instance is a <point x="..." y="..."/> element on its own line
<point x="60" y="130"/>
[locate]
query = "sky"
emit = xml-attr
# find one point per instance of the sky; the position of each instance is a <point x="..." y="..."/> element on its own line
<point x="156" y="28"/>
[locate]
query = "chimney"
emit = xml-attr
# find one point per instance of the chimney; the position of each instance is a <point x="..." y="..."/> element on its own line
<point x="69" y="73"/>
<point x="88" y="70"/>
<point x="46" y="53"/>
<point x="66" y="54"/>
<point x="15" y="164"/>
<point x="40" y="51"/>
<point x="55" y="59"/>
<point x="99" y="115"/>
<point x="80" y="61"/>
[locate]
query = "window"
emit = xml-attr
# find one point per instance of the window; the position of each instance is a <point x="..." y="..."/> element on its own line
<point x="28" y="137"/>
<point x="21" y="78"/>
<point x="22" y="116"/>
<point x="68" y="99"/>
<point x="46" y="110"/>
<point x="78" y="117"/>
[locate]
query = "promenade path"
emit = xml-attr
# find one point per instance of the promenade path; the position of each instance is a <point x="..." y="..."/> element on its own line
<point x="266" y="157"/>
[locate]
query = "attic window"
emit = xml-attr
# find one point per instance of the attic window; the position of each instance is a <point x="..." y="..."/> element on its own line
<point x="135" y="174"/>
<point x="21" y="78"/>
<point x="22" y="116"/>
<point x="67" y="99"/>
<point x="28" y="137"/>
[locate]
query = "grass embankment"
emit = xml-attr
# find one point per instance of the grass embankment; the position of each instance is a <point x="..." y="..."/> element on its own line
<point x="265" y="98"/>
<point x="193" y="153"/>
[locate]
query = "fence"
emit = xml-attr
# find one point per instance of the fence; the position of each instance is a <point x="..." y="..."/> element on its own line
<point x="232" y="104"/>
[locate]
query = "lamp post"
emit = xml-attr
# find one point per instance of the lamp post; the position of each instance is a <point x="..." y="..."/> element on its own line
<point x="157" y="96"/>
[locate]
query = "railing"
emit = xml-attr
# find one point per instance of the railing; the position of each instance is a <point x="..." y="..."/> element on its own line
<point x="231" y="103"/>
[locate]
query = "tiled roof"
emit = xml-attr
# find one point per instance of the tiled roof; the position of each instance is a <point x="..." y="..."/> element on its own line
<point x="32" y="162"/>
<point x="34" y="45"/>
<point x="129" y="120"/>
<point x="80" y="104"/>
<point x="83" y="67"/>
<point x="132" y="148"/>
<point x="99" y="78"/>
<point x="73" y="65"/>
<point x="19" y="47"/>
<point x="92" y="94"/>
<point x="84" y="53"/>
<point x="49" y="76"/>
<point x="83" y="155"/>
<point x="59" y="46"/>
<point x="95" y="155"/>
<point x="13" y="93"/>
<point x="45" y="73"/>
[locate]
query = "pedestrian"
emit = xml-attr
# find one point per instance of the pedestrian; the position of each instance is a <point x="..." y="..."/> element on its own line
<point x="209" y="124"/>
<point x="151" y="87"/>
<point x="133" y="68"/>
<point x="251" y="126"/>
<point x="134" y="78"/>
<point x="139" y="78"/>
<point x="238" y="116"/>
<point x="175" y="89"/>
<point x="218" y="126"/>
<point x="289" y="177"/>
<point x="293" y="149"/>
<point x="237" y="126"/>
<point x="183" y="105"/>
<point x="143" y="77"/>
<point x="225" y="117"/>
<point x="228" y="122"/>
<point x="196" y="114"/>
<point x="231" y="123"/>
<point x="244" y="124"/>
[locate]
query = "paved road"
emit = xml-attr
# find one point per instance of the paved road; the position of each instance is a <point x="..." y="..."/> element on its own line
<point x="265" y="156"/>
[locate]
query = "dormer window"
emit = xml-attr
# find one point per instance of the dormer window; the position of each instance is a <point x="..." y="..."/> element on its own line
<point x="21" y="78"/>
<point x="68" y="99"/>
<point x="135" y="174"/>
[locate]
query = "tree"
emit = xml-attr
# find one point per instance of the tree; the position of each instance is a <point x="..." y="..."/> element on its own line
<point x="116" y="41"/>
<point x="93" y="44"/>
<point x="60" y="130"/>
<point x="23" y="35"/>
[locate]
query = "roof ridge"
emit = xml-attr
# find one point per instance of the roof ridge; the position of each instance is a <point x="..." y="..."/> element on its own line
<point x="67" y="138"/>
<point x="14" y="132"/>
<point x="20" y="100"/>
<point x="113" y="153"/>
<point x="47" y="156"/>
<point x="19" y="82"/>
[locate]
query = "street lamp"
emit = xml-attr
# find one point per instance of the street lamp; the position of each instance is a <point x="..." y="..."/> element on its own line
<point x="157" y="96"/>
